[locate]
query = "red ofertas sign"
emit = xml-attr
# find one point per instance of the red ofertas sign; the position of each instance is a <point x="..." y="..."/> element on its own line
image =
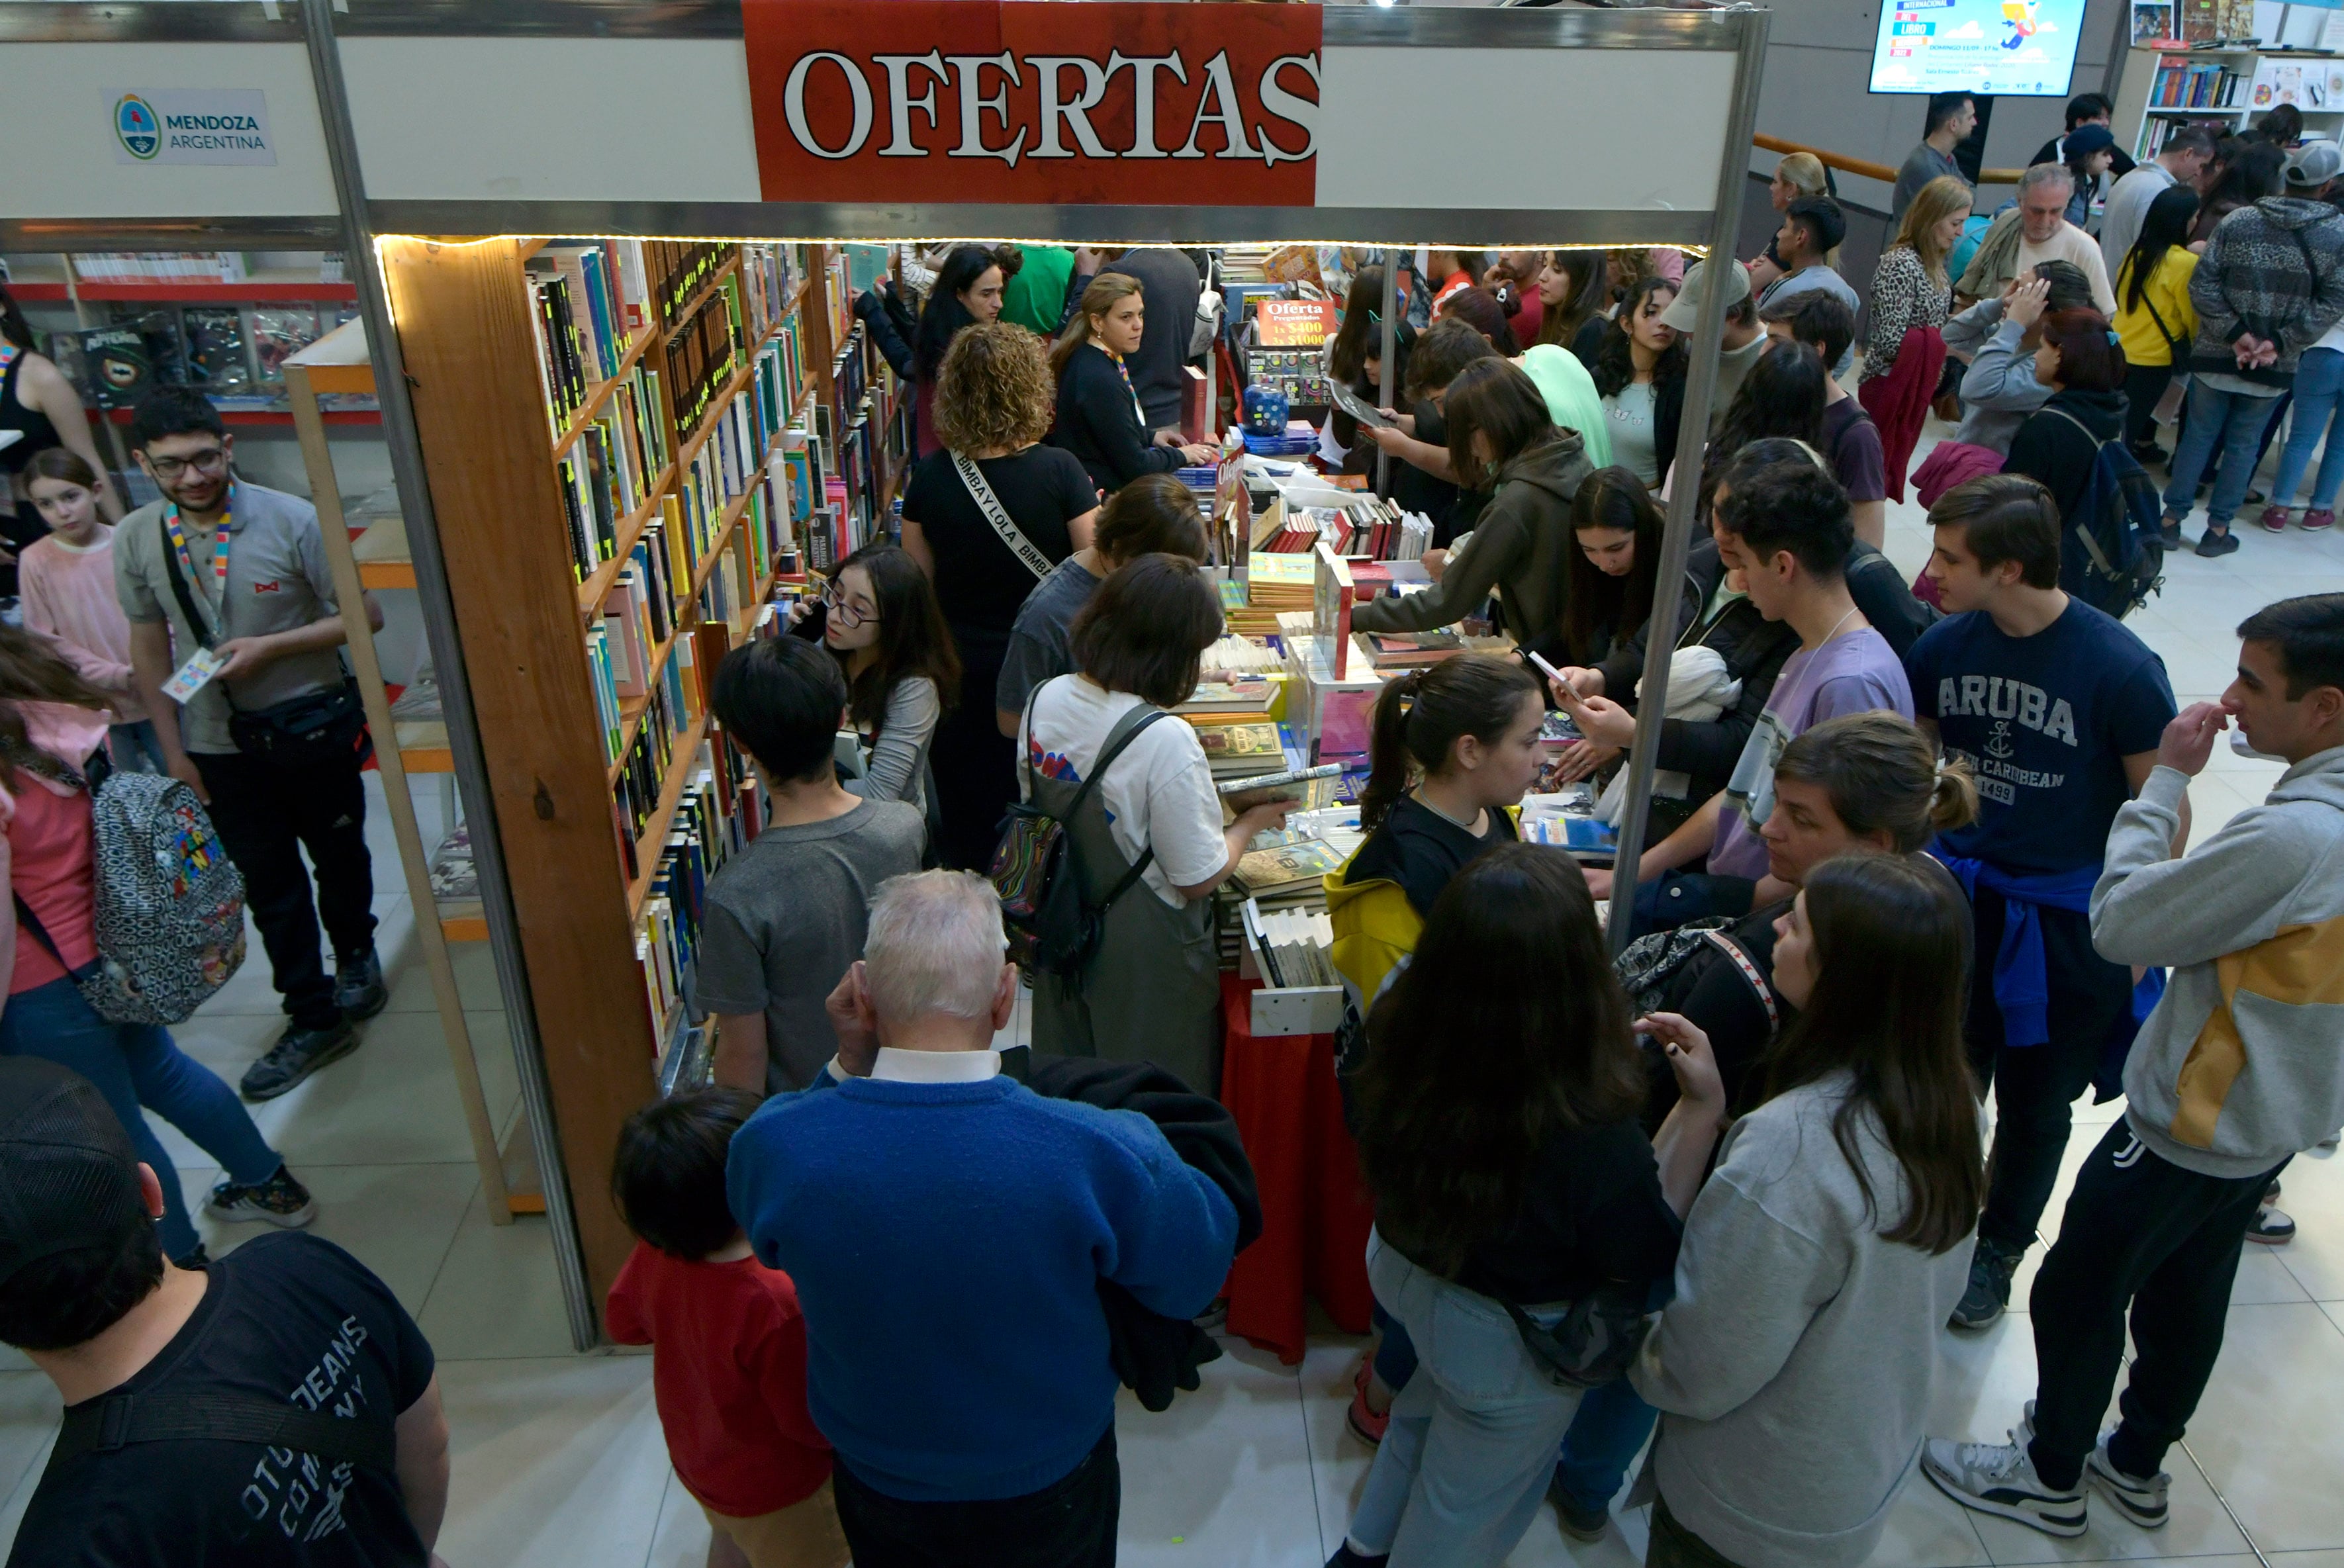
<point x="1034" y="101"/>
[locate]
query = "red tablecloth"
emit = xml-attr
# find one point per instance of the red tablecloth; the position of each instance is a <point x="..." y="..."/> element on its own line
<point x="1314" y="1209"/>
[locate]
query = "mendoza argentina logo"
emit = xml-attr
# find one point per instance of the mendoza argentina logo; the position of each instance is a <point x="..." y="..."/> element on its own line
<point x="138" y="127"/>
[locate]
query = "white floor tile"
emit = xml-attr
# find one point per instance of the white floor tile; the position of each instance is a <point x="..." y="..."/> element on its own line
<point x="556" y="1464"/>
<point x="2269" y="1430"/>
<point x="1223" y="1477"/>
<point x="498" y="1294"/>
<point x="399" y="1221"/>
<point x="681" y="1540"/>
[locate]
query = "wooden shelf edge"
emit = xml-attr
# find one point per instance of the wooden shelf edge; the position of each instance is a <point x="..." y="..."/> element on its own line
<point x="691" y="305"/>
<point x="733" y="387"/>
<point x="655" y="833"/>
<point x="629" y="532"/>
<point x="592" y="409"/>
<point x="386" y="575"/>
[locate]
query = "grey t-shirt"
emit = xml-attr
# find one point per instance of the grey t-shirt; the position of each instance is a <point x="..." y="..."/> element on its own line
<point x="276" y="581"/>
<point x="785" y="918"/>
<point x="1040" y="643"/>
<point x="1925" y="164"/>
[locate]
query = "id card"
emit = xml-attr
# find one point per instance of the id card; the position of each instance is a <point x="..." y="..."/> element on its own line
<point x="193" y="676"/>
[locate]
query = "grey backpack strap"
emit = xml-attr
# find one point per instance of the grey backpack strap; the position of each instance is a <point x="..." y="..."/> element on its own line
<point x="998" y="516"/>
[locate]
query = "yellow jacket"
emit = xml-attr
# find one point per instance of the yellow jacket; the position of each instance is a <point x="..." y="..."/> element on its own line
<point x="2168" y="292"/>
<point x="1375" y="925"/>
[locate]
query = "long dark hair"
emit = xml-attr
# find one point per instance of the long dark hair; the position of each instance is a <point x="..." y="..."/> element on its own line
<point x="1495" y="398"/>
<point x="1781" y="396"/>
<point x="1513" y="960"/>
<point x="1591" y="289"/>
<point x="2165" y="225"/>
<point x="944" y="315"/>
<point x="1615" y="361"/>
<point x="1359" y="337"/>
<point x="30" y="672"/>
<point x="12" y="325"/>
<point x="1594" y="600"/>
<point x="1892" y="947"/>
<point x="1421" y="717"/>
<point x="913" y="637"/>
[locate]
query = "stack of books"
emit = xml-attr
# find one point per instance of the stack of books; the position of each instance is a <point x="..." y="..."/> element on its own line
<point x="1296" y="946"/>
<point x="1287" y="874"/>
<point x="1242" y="750"/>
<point x="1409" y="650"/>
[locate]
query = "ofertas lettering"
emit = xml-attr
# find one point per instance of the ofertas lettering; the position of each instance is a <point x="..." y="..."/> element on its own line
<point x="1027" y="101"/>
<point x="1217" y="104"/>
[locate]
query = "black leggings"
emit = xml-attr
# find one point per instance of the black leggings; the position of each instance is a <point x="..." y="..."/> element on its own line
<point x="2144" y="389"/>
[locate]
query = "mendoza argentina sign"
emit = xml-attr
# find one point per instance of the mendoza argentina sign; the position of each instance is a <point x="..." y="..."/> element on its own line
<point x="193" y="125"/>
<point x="1030" y="101"/>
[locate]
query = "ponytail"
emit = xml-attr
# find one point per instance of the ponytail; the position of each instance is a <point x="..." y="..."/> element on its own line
<point x="1421" y="717"/>
<point x="1953" y="800"/>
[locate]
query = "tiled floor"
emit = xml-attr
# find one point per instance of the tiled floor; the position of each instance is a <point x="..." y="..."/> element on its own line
<point x="559" y="1461"/>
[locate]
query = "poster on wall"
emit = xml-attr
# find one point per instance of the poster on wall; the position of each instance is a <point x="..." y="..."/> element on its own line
<point x="2014" y="48"/>
<point x="1029" y="101"/>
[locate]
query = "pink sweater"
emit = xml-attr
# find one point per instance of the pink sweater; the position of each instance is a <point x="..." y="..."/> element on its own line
<point x="46" y="851"/>
<point x="68" y="595"/>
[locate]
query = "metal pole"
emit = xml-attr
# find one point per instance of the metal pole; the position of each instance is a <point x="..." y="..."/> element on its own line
<point x="405" y="450"/>
<point x="1692" y="431"/>
<point x="1390" y="347"/>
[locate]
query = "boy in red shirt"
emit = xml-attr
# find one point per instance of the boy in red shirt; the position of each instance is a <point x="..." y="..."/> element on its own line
<point x="729" y="1370"/>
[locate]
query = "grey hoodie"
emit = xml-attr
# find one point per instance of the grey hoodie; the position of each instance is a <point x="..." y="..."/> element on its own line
<point x="1796" y="1366"/>
<point x="2276" y="269"/>
<point x="1520" y="547"/>
<point x="2239" y="1066"/>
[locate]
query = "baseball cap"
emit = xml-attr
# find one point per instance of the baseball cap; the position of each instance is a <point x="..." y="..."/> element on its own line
<point x="1685" y="307"/>
<point x="1823" y="214"/>
<point x="69" y="1175"/>
<point x="2314" y="165"/>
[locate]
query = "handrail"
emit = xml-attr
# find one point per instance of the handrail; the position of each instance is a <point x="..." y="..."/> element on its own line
<point x="1865" y="167"/>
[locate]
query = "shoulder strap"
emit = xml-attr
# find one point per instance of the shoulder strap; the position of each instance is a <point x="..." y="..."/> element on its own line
<point x="179" y="589"/>
<point x="1750" y="973"/>
<point x="117" y="1421"/>
<point x="1127" y="730"/>
<point x="996" y="514"/>
<point x="2097" y="443"/>
<point x="32" y="922"/>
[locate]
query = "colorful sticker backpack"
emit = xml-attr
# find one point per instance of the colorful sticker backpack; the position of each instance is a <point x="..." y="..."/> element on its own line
<point x="170" y="902"/>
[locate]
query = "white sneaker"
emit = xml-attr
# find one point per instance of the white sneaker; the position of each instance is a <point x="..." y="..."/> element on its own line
<point x="1999" y="1478"/>
<point x="2138" y="1498"/>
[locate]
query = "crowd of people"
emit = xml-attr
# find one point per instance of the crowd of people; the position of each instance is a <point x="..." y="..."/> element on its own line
<point x="1915" y="848"/>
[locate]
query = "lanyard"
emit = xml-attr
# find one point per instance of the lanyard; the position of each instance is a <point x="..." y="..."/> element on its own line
<point x="219" y="548"/>
<point x="1125" y="372"/>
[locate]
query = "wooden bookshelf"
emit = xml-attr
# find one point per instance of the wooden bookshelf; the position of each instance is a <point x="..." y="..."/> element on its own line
<point x="465" y="329"/>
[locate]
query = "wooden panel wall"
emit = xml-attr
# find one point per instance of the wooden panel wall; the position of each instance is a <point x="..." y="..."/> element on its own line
<point x="464" y="331"/>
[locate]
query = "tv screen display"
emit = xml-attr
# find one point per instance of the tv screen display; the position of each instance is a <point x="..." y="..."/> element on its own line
<point x="2017" y="48"/>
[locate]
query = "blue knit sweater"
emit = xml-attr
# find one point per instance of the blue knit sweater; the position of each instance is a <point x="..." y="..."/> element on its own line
<point x="947" y="1241"/>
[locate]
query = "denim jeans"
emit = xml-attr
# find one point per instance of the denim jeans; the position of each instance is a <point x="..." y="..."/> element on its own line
<point x="1611" y="1427"/>
<point x="2318" y="381"/>
<point x="136" y="748"/>
<point x="1464" y="1464"/>
<point x="1395" y="1354"/>
<point x="2233" y="420"/>
<point x="136" y="1065"/>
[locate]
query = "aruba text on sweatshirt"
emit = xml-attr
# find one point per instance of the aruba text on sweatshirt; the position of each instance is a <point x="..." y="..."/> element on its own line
<point x="947" y="1240"/>
<point x="2237" y="1068"/>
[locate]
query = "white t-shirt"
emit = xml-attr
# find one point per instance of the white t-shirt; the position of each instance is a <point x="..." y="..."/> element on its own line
<point x="1159" y="790"/>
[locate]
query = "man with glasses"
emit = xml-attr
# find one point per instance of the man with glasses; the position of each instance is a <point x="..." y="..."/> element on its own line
<point x="235" y="628"/>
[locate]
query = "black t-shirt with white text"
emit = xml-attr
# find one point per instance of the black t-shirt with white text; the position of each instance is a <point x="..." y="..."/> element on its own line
<point x="287" y="1316"/>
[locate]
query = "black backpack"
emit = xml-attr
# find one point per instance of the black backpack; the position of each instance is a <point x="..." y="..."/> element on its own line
<point x="2112" y="556"/>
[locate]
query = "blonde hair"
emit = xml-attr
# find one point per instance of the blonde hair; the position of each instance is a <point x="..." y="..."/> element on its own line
<point x="1105" y="291"/>
<point x="1804" y="173"/>
<point x="1934" y="203"/>
<point x="994" y="391"/>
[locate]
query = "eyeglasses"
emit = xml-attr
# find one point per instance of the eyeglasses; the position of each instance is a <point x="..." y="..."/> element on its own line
<point x="844" y="611"/>
<point x="210" y="464"/>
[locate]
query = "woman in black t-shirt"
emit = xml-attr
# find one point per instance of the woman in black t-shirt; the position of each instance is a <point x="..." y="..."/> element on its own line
<point x="1453" y="745"/>
<point x="992" y="407"/>
<point x="1509" y="1176"/>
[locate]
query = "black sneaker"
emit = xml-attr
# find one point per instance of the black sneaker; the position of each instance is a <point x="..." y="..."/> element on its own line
<point x="358" y="990"/>
<point x="2217" y="541"/>
<point x="2271" y="1227"/>
<point x="296" y="1055"/>
<point x="280" y="1201"/>
<point x="2169" y="531"/>
<point x="2150" y="452"/>
<point x="1991" y="1267"/>
<point x="1346" y="1558"/>
<point x="1578" y="1522"/>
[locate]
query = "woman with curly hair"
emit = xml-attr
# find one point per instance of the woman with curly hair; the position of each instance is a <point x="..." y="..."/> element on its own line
<point x="1639" y="374"/>
<point x="989" y="516"/>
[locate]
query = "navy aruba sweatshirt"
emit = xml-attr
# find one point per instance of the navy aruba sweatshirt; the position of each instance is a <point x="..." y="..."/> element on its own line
<point x="947" y="1241"/>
